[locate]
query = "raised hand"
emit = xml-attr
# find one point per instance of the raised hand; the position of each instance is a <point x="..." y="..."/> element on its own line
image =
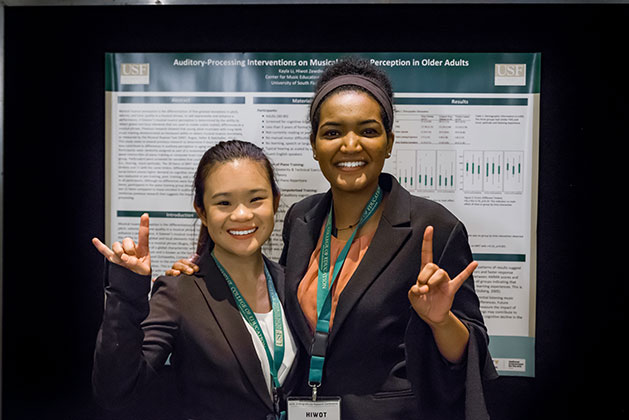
<point x="136" y="258"/>
<point x="433" y="294"/>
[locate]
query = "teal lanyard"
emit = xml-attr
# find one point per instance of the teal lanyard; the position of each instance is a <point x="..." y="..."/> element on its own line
<point x="275" y="360"/>
<point x="324" y="287"/>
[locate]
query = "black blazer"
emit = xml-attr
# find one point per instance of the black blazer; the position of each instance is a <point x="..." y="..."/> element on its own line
<point x="195" y="320"/>
<point x="381" y="357"/>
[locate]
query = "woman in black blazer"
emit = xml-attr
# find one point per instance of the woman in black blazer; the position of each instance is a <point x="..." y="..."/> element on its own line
<point x="214" y="325"/>
<point x="385" y="358"/>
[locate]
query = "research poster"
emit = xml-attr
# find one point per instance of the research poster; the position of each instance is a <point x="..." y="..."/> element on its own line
<point x="466" y="135"/>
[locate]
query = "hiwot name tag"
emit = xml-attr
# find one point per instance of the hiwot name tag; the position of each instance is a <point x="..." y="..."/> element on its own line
<point x="302" y="408"/>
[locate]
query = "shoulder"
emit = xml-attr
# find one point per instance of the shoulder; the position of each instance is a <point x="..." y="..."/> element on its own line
<point x="421" y="211"/>
<point x="172" y="285"/>
<point x="305" y="204"/>
<point x="436" y="213"/>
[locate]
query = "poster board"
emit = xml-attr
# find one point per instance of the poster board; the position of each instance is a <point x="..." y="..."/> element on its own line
<point x="466" y="131"/>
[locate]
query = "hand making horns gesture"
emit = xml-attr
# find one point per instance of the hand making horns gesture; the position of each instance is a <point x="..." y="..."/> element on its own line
<point x="432" y="295"/>
<point x="136" y="258"/>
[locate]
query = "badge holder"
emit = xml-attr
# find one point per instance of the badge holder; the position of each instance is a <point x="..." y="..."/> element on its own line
<point x="302" y="408"/>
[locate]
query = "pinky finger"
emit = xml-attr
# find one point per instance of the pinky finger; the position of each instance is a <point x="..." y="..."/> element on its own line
<point x="102" y="248"/>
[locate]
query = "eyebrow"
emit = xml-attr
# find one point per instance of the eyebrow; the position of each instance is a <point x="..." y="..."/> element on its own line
<point x="228" y="194"/>
<point x="336" y="124"/>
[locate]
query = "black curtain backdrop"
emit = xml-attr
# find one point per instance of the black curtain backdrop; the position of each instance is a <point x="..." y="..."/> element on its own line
<point x="54" y="181"/>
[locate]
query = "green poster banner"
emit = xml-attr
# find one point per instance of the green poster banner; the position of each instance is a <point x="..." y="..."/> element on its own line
<point x="298" y="72"/>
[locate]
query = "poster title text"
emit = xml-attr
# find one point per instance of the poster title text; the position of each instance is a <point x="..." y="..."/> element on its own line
<point x="315" y="62"/>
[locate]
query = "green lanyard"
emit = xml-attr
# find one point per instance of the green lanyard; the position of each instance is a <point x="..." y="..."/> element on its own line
<point x="275" y="360"/>
<point x="324" y="287"/>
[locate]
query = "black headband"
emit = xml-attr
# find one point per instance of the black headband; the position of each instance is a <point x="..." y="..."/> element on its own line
<point x="355" y="80"/>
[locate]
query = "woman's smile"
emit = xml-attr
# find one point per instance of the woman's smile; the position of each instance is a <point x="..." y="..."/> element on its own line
<point x="242" y="233"/>
<point x="349" y="165"/>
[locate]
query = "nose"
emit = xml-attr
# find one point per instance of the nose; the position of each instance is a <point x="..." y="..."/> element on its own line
<point x="241" y="213"/>
<point x="351" y="143"/>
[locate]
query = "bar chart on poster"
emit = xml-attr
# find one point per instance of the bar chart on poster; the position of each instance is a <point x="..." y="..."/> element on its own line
<point x="427" y="170"/>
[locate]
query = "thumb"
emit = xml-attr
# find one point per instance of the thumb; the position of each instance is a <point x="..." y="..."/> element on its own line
<point x="464" y="275"/>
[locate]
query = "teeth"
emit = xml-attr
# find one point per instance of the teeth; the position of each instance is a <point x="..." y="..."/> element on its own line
<point x="241" y="232"/>
<point x="351" y="164"/>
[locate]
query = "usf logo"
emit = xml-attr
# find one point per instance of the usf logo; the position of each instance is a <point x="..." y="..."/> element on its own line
<point x="510" y="75"/>
<point x="134" y="73"/>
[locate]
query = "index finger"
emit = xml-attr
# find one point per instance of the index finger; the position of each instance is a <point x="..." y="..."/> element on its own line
<point x="143" y="234"/>
<point x="427" y="247"/>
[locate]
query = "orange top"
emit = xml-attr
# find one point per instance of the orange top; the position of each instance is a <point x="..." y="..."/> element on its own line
<point x="307" y="291"/>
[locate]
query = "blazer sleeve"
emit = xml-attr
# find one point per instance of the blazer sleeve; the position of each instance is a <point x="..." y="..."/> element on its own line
<point x="444" y="390"/>
<point x="136" y="336"/>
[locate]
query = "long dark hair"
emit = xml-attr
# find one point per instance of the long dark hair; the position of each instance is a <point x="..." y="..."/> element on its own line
<point x="227" y="151"/>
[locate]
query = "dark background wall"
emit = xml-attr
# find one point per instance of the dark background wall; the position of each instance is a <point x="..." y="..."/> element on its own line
<point x="54" y="180"/>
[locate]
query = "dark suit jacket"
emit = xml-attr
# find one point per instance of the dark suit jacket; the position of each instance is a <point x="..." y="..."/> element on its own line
<point x="195" y="320"/>
<point x="381" y="357"/>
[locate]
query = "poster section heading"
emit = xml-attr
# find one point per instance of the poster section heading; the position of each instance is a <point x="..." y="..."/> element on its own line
<point x="298" y="72"/>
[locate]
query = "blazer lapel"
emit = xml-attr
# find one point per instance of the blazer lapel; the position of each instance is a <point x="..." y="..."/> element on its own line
<point x="223" y="306"/>
<point x="393" y="231"/>
<point x="304" y="234"/>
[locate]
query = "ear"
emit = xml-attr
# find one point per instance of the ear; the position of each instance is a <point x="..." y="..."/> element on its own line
<point x="390" y="141"/>
<point x="313" y="142"/>
<point x="200" y="213"/>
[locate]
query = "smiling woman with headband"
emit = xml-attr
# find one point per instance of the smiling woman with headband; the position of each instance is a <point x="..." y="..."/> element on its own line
<point x="388" y="316"/>
<point x="379" y="283"/>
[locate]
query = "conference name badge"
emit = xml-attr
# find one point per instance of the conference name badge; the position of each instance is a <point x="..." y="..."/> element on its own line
<point x="303" y="408"/>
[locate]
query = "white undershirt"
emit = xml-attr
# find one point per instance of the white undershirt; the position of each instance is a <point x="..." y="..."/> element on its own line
<point x="266" y="323"/>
